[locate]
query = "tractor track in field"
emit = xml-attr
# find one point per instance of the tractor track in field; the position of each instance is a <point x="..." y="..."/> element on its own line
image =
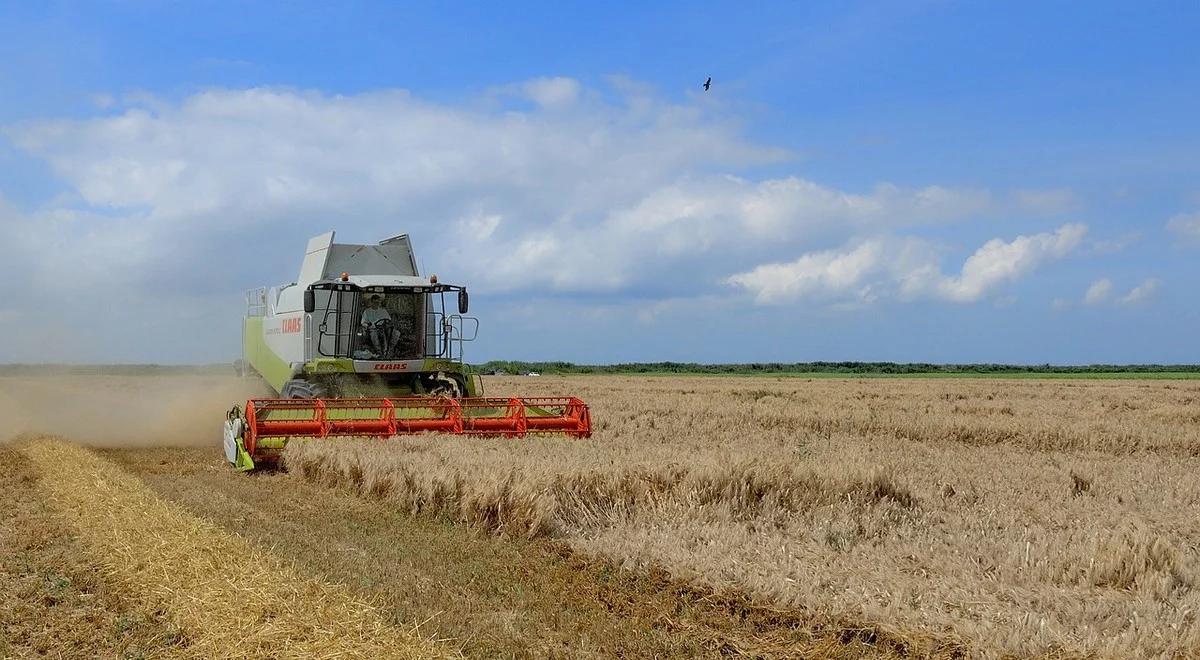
<point x="491" y="597"/>
<point x="54" y="601"/>
<point x="228" y="598"/>
<point x="121" y="553"/>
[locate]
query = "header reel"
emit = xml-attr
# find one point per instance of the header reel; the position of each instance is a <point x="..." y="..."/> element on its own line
<point x="258" y="433"/>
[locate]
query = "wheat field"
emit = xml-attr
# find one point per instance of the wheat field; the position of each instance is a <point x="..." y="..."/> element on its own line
<point x="1001" y="516"/>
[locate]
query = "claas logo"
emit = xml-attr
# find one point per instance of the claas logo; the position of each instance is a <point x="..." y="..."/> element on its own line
<point x="292" y="325"/>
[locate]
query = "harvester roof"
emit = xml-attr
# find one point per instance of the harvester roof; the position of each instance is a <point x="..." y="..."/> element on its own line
<point x="391" y="259"/>
<point x="415" y="284"/>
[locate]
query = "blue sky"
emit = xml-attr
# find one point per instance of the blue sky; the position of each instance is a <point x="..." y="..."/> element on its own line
<point x="943" y="181"/>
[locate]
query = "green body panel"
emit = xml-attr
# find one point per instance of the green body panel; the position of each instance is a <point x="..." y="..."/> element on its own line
<point x="326" y="365"/>
<point x="277" y="372"/>
<point x="244" y="462"/>
<point x="259" y="356"/>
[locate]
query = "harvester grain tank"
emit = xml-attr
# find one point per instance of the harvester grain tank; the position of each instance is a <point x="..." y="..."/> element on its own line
<point x="362" y="344"/>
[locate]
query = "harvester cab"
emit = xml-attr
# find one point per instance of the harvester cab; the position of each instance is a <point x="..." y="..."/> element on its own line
<point x="362" y="344"/>
<point x="360" y="320"/>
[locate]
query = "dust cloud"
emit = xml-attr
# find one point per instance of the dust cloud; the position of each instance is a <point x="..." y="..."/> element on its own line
<point x="123" y="411"/>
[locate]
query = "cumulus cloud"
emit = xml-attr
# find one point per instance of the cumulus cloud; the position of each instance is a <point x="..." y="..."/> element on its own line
<point x="552" y="92"/>
<point x="571" y="194"/>
<point x="280" y="148"/>
<point x="906" y="269"/>
<point x="1186" y="226"/>
<point x="998" y="262"/>
<point x="1101" y="292"/>
<point x="1141" y="292"/>
<point x="1098" y="292"/>
<point x="541" y="188"/>
<point x="479" y="226"/>
<point x="826" y="273"/>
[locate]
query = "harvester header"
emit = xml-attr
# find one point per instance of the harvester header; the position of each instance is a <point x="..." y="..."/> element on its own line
<point x="361" y="344"/>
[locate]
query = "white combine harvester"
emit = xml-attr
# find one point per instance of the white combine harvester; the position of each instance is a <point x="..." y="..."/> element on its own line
<point x="362" y="345"/>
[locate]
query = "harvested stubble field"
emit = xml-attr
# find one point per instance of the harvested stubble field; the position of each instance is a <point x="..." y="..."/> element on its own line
<point x="768" y="516"/>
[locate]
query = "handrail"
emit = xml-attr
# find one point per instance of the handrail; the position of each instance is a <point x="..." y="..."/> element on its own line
<point x="256" y="302"/>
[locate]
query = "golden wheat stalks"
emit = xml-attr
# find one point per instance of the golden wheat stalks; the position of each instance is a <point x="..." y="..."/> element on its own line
<point x="230" y="599"/>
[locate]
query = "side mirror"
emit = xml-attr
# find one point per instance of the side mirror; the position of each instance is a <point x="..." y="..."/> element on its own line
<point x="463" y="301"/>
<point x="310" y="301"/>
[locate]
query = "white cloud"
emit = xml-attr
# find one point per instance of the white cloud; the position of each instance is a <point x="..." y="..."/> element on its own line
<point x="1114" y="245"/>
<point x="827" y="273"/>
<point x="1140" y="292"/>
<point x="541" y="187"/>
<point x="103" y="101"/>
<point x="1186" y="226"/>
<point x="278" y="147"/>
<point x="588" y="195"/>
<point x="1098" y="292"/>
<point x="998" y="262"/>
<point x="1101" y="292"/>
<point x="1049" y="201"/>
<point x="552" y="92"/>
<point x="696" y="213"/>
<point x="905" y="269"/>
<point x="253" y="173"/>
<point x="480" y="226"/>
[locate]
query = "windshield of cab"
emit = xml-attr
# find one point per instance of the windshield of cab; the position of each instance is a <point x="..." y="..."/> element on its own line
<point x="389" y="326"/>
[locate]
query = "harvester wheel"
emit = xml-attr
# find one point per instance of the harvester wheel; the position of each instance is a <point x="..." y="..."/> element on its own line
<point x="302" y="389"/>
<point x="443" y="385"/>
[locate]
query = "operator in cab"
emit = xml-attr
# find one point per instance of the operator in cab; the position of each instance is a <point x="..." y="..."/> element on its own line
<point x="375" y="312"/>
<point x="377" y="327"/>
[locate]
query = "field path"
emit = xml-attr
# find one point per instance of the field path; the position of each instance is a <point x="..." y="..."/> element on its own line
<point x="54" y="602"/>
<point x="229" y="598"/>
<point x="493" y="597"/>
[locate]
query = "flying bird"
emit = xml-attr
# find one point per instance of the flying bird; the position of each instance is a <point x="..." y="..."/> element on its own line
<point x="708" y="83"/>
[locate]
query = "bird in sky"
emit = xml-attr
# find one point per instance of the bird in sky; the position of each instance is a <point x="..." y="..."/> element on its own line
<point x="708" y="83"/>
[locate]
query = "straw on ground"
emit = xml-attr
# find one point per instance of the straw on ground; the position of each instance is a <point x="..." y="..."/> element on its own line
<point x="228" y="598"/>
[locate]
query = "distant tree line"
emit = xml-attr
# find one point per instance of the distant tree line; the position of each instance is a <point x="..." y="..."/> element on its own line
<point x="518" y="367"/>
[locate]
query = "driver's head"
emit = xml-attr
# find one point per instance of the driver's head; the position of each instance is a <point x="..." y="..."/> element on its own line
<point x="374" y="301"/>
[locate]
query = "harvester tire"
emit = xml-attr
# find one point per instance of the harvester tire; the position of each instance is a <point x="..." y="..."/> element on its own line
<point x="302" y="389"/>
<point x="444" y="385"/>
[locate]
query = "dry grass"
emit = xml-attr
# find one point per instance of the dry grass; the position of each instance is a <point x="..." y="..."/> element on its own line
<point x="1024" y="517"/>
<point x="53" y="602"/>
<point x="497" y="596"/>
<point x="228" y="598"/>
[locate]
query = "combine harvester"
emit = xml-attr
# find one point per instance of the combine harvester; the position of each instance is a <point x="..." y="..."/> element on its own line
<point x="362" y="345"/>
